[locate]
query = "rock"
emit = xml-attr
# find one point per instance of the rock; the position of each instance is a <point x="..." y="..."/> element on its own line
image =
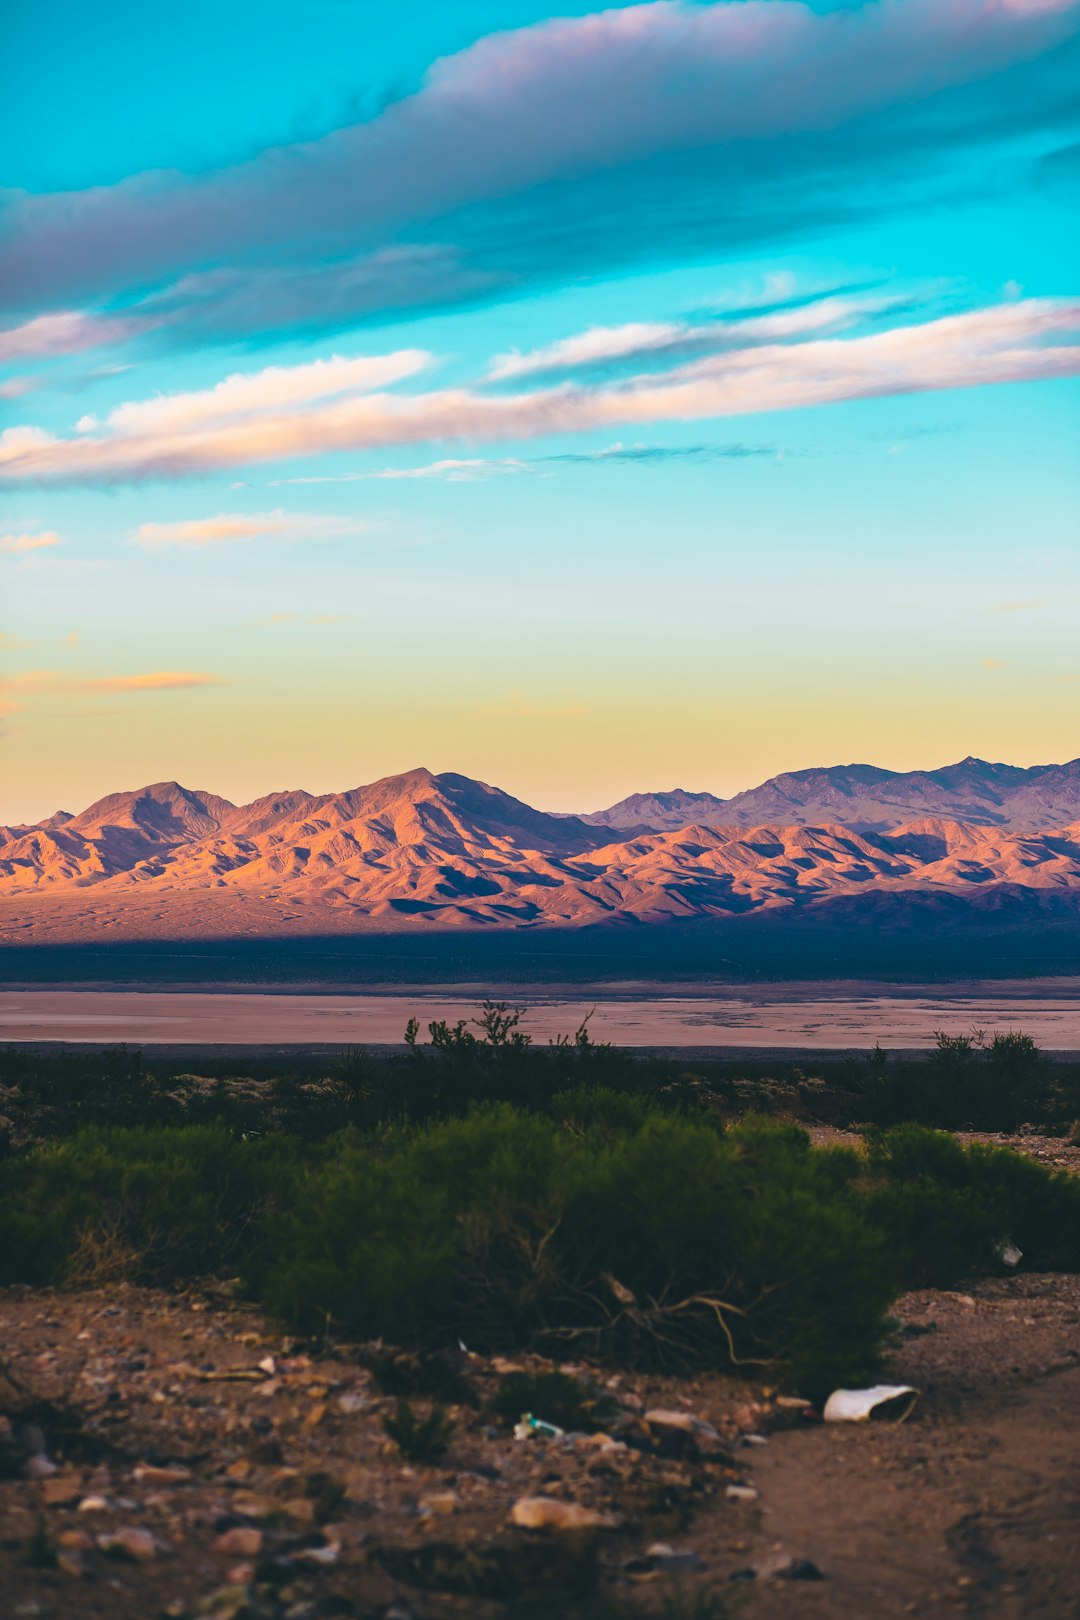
<point x="74" y="1540"/>
<point x="128" y="1542"/>
<point x="442" y="1503"/>
<point x="243" y="1541"/>
<point x="350" y="1402"/>
<point x="148" y="1474"/>
<point x="250" y="1506"/>
<point x="93" y="1504"/>
<point x="545" y="1513"/>
<point x="40" y="1467"/>
<point x="661" y="1418"/>
<point x="741" y="1493"/>
<point x="61" y="1490"/>
<point x="662" y="1557"/>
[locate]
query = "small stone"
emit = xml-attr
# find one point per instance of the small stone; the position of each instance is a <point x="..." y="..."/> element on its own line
<point x="545" y="1513"/>
<point x="301" y="1509"/>
<point x="351" y="1402"/>
<point x="741" y="1493"/>
<point x="148" y="1474"/>
<point x="325" y="1556"/>
<point x="40" y="1467"/>
<point x="662" y="1553"/>
<point x="74" y="1540"/>
<point x="243" y="1541"/>
<point x="128" y="1542"/>
<point x="250" y="1506"/>
<point x="661" y="1418"/>
<point x="240" y="1574"/>
<point x="441" y="1503"/>
<point x="61" y="1490"/>
<point x="93" y="1504"/>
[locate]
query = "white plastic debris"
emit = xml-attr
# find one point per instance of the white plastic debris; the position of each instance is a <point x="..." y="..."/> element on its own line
<point x="893" y="1401"/>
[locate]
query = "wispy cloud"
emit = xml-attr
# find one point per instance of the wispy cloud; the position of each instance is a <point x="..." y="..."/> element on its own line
<point x="453" y="471"/>
<point x="1030" y="604"/>
<point x="317" y="620"/>
<point x="174" y="435"/>
<point x="637" y="340"/>
<point x="66" y="332"/>
<point x="520" y="707"/>
<point x="193" y="533"/>
<point x="746" y="97"/>
<point x="157" y="680"/>
<point x="29" y="542"/>
<point x="645" y="454"/>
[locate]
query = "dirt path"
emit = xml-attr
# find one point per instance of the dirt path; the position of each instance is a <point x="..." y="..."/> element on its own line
<point x="973" y="1506"/>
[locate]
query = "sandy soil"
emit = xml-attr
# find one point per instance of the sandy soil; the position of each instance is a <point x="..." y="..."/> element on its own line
<point x="971" y="1507"/>
<point x="725" y="1019"/>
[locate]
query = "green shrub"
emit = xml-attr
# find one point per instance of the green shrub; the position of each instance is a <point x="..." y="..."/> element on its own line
<point x="610" y="1229"/>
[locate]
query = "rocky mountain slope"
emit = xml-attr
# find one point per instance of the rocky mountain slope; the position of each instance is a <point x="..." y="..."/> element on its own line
<point x="867" y="798"/>
<point x="422" y="850"/>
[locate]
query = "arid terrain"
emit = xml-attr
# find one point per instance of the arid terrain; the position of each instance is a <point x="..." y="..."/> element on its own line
<point x="443" y="852"/>
<point x="195" y="1462"/>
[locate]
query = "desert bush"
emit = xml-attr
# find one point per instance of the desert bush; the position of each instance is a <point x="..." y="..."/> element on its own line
<point x="611" y="1229"/>
<point x="949" y="1210"/>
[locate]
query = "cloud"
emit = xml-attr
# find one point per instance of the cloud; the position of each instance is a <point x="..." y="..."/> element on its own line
<point x="317" y="620"/>
<point x="66" y="332"/>
<point x="1030" y="604"/>
<point x="520" y="708"/>
<point x="228" y="526"/>
<point x="158" y="680"/>
<point x="566" y="120"/>
<point x="638" y="339"/>
<point x="994" y="663"/>
<point x="247" y="394"/>
<point x="28" y="542"/>
<point x="175" y="435"/>
<point x="644" y="454"/>
<point x="468" y="471"/>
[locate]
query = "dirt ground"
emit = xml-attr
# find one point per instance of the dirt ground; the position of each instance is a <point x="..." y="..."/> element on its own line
<point x="195" y="1463"/>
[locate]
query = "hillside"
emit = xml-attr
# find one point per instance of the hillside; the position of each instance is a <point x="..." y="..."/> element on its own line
<point x="867" y="798"/>
<point x="421" y="850"/>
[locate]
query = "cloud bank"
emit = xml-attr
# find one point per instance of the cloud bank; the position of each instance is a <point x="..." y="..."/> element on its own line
<point x="245" y="421"/>
<point x="694" y="113"/>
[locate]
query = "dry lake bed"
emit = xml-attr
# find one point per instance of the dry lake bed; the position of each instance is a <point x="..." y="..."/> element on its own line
<point x="815" y="1017"/>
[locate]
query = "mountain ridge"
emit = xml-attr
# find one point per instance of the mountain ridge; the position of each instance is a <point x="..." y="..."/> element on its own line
<point x="871" y="798"/>
<point x="422" y="849"/>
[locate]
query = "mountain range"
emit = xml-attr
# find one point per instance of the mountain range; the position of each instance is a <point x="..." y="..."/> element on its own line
<point x="420" y="850"/>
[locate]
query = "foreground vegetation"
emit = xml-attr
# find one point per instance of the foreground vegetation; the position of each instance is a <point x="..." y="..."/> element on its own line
<point x="570" y="1199"/>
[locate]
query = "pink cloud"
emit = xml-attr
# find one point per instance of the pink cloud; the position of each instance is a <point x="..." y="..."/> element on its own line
<point x="1009" y="342"/>
<point x="65" y="332"/>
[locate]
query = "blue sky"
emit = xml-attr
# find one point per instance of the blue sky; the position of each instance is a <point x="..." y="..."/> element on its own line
<point x="588" y="401"/>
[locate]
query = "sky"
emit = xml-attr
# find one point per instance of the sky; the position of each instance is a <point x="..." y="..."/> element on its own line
<point x="589" y="401"/>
